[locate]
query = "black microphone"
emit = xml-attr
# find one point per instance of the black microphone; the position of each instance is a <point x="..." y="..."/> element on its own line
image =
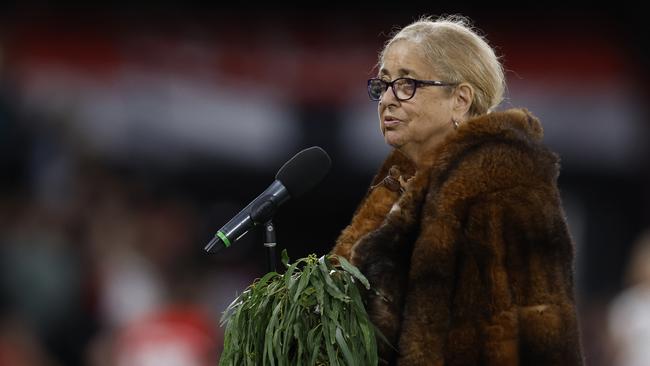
<point x="297" y="176"/>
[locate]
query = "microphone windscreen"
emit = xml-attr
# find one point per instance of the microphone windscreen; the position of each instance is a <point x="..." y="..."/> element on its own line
<point x="304" y="171"/>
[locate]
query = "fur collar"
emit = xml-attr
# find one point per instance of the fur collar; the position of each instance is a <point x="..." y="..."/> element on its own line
<point x="516" y="156"/>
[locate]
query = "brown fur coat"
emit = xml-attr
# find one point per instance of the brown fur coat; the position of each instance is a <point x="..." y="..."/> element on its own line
<point x="473" y="259"/>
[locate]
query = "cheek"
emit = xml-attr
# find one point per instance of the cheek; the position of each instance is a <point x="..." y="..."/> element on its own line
<point x="381" y="127"/>
<point x="435" y="115"/>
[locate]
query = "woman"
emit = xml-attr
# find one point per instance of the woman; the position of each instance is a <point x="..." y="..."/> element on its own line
<point x="462" y="231"/>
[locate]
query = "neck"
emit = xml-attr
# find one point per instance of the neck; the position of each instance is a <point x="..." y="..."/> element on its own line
<point x="420" y="154"/>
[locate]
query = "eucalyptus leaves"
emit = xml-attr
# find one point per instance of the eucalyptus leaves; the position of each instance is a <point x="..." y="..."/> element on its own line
<point x="312" y="314"/>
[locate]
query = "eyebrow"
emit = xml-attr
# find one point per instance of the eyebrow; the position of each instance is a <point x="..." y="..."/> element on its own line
<point x="401" y="72"/>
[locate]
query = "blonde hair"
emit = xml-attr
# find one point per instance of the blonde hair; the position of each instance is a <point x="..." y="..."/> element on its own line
<point x="457" y="53"/>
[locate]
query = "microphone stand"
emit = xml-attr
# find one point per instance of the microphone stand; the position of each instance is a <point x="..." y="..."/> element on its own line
<point x="263" y="211"/>
<point x="269" y="243"/>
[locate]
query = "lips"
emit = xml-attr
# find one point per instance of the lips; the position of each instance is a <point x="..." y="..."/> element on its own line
<point x="391" y="122"/>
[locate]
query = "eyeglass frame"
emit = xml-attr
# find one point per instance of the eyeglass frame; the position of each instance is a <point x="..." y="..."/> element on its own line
<point x="417" y="83"/>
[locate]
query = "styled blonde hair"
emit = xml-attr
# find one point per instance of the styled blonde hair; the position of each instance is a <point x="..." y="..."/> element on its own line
<point x="457" y="53"/>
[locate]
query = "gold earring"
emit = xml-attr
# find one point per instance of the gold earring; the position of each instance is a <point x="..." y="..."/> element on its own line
<point x="456" y="124"/>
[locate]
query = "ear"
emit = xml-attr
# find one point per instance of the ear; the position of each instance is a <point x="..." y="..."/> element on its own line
<point x="462" y="100"/>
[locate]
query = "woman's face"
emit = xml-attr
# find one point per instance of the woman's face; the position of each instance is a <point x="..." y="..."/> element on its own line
<point x="420" y="123"/>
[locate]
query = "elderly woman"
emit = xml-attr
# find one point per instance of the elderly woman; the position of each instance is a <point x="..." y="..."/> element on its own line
<point x="462" y="231"/>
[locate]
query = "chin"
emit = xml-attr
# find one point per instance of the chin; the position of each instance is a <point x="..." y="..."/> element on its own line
<point x="392" y="139"/>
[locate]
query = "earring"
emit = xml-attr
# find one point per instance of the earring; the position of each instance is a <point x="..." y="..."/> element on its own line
<point x="455" y="123"/>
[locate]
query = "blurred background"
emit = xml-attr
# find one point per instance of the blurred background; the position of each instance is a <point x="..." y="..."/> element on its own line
<point x="129" y="134"/>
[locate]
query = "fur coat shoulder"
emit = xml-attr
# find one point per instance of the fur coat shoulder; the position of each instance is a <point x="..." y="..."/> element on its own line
<point x="471" y="255"/>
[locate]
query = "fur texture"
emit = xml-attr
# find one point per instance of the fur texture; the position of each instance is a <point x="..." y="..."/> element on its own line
<point x="473" y="261"/>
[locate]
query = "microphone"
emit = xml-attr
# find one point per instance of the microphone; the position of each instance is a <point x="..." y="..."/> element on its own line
<point x="296" y="177"/>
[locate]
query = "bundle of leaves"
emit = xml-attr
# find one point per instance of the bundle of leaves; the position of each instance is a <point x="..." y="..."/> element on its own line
<point x="313" y="314"/>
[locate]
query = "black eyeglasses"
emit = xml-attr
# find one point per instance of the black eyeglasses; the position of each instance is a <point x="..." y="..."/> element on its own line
<point x="403" y="88"/>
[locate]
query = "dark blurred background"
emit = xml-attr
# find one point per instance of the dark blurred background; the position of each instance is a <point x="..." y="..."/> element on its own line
<point x="129" y="133"/>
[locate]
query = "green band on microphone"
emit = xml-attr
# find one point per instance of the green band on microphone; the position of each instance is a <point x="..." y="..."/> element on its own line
<point x="224" y="238"/>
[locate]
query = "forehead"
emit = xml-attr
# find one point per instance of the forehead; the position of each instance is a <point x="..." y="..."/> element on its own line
<point x="404" y="58"/>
